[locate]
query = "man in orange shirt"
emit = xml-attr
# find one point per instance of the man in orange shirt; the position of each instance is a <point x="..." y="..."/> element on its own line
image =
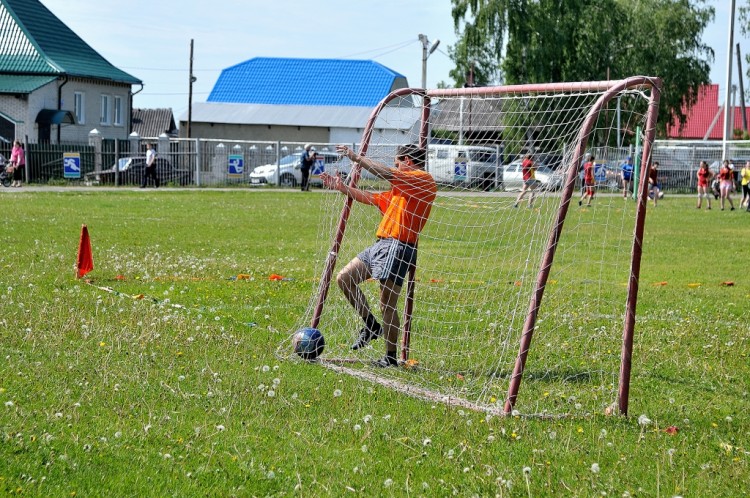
<point x="405" y="209"/>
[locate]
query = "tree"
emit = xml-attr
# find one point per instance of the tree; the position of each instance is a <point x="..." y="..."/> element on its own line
<point x="541" y="41"/>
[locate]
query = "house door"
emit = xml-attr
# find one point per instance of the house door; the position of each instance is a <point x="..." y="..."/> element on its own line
<point x="44" y="132"/>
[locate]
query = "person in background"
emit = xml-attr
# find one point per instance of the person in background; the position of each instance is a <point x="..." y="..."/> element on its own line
<point x="589" y="184"/>
<point x="653" y="181"/>
<point x="17" y="163"/>
<point x="726" y="184"/>
<point x="705" y="175"/>
<point x="626" y="174"/>
<point x="405" y="210"/>
<point x="745" y="181"/>
<point x="530" y="183"/>
<point x="307" y="160"/>
<point x="150" y="170"/>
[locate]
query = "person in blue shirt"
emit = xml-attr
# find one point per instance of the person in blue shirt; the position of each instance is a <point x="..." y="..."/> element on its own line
<point x="626" y="175"/>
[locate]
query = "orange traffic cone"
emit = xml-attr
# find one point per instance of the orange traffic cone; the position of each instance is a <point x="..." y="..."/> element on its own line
<point x="85" y="257"/>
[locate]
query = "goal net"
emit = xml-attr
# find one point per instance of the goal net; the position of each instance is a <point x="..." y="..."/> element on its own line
<point x="526" y="305"/>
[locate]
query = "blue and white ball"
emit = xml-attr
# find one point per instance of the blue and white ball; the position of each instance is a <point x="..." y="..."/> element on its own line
<point x="308" y="343"/>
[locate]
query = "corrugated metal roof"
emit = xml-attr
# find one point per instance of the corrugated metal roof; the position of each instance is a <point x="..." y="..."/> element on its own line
<point x="153" y="122"/>
<point x="35" y="41"/>
<point x="703" y="114"/>
<point x="311" y="82"/>
<point x="23" y="84"/>
<point x="394" y="118"/>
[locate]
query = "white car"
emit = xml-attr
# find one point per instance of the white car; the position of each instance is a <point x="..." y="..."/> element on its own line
<point x="289" y="174"/>
<point x="549" y="179"/>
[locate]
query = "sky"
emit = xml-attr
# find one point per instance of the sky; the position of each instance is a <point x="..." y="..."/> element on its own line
<point x="150" y="39"/>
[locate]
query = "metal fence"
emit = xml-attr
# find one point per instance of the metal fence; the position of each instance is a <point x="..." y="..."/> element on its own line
<point x="212" y="162"/>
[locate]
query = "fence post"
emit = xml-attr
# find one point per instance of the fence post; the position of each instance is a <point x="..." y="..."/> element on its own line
<point x="135" y="143"/>
<point x="197" y="162"/>
<point x="27" y="168"/>
<point x="95" y="140"/>
<point x="278" y="163"/>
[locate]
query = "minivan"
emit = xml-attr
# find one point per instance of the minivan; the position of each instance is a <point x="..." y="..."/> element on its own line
<point x="465" y="166"/>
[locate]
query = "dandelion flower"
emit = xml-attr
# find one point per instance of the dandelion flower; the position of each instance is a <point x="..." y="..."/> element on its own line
<point x="427" y="441"/>
<point x="220" y="428"/>
<point x="271" y="394"/>
<point x="527" y="470"/>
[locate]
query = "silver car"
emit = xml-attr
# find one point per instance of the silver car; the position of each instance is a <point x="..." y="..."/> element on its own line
<point x="289" y="174"/>
<point x="548" y="178"/>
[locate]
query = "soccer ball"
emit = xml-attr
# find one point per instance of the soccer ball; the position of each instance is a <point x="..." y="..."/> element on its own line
<point x="308" y="343"/>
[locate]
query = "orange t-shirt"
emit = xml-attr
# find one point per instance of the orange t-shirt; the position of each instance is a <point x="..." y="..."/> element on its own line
<point x="406" y="206"/>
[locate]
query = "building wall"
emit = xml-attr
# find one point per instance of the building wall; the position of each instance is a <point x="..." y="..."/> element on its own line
<point x="92" y="91"/>
<point x="25" y="111"/>
<point x="256" y="132"/>
<point x="14" y="108"/>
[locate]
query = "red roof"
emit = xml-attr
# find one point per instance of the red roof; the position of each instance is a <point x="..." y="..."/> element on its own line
<point x="703" y="114"/>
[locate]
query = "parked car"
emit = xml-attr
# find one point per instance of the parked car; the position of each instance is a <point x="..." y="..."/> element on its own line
<point x="289" y="170"/>
<point x="130" y="172"/>
<point x="549" y="179"/>
<point x="462" y="165"/>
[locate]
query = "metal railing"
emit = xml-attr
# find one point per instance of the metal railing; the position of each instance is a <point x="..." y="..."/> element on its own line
<point x="213" y="162"/>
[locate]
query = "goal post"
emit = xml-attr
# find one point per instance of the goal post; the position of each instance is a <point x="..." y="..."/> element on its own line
<point x="487" y="253"/>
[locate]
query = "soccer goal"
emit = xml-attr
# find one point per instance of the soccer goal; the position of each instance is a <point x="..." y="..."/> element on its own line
<point x="541" y="290"/>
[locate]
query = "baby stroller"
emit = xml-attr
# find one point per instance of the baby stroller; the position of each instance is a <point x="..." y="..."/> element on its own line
<point x="5" y="175"/>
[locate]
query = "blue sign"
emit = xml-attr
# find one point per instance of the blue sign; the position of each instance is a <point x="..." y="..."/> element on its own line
<point x="236" y="165"/>
<point x="459" y="170"/>
<point x="319" y="166"/>
<point x="71" y="165"/>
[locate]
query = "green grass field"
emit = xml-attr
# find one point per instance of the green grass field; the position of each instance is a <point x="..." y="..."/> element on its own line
<point x="180" y="393"/>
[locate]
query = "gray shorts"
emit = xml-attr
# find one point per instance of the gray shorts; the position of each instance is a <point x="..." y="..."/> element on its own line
<point x="389" y="259"/>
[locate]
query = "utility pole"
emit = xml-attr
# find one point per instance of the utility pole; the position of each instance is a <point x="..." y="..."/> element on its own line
<point x="190" y="91"/>
<point x="427" y="50"/>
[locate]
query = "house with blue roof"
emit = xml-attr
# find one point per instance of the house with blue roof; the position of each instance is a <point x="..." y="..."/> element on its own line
<point x="53" y="86"/>
<point x="301" y="100"/>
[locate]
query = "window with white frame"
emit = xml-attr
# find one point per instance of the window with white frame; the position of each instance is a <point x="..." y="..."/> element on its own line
<point x="79" y="107"/>
<point x="104" y="111"/>
<point x="117" y="111"/>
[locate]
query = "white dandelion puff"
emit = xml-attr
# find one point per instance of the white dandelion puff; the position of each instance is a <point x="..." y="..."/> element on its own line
<point x="427" y="441"/>
<point x="337" y="393"/>
<point x="595" y="468"/>
<point x="388" y="483"/>
<point x="643" y="420"/>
